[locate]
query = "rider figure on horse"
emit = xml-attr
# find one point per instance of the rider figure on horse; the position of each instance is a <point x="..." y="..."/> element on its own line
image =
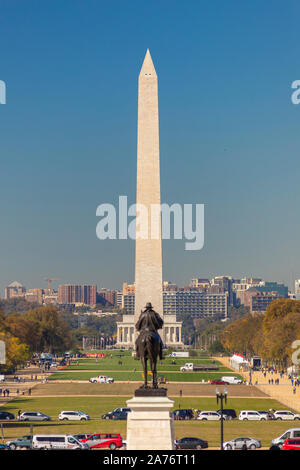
<point x="149" y="344"/>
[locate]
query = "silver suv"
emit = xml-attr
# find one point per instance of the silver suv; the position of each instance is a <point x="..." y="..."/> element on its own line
<point x="73" y="416"/>
<point x="33" y="416"/>
<point x="285" y="414"/>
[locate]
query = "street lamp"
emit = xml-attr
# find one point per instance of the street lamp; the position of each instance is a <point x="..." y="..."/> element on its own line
<point x="222" y="397"/>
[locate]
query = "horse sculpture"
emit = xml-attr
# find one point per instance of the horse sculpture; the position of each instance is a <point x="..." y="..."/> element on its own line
<point x="149" y="344"/>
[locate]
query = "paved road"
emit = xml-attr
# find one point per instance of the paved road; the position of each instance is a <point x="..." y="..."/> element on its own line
<point x="282" y="392"/>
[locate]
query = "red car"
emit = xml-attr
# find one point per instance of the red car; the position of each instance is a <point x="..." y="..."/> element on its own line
<point x="219" y="382"/>
<point x="102" y="440"/>
<point x="291" y="444"/>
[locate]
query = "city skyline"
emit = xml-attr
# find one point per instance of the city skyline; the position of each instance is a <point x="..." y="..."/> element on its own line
<point x="190" y="282"/>
<point x="228" y="136"/>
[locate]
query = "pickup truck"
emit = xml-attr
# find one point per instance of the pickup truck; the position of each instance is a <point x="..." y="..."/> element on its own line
<point x="101" y="379"/>
<point x="190" y="366"/>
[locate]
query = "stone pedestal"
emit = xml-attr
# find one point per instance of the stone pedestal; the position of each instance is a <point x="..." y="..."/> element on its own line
<point x="149" y="424"/>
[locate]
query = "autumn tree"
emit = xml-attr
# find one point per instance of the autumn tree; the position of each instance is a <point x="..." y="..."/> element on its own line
<point x="16" y="353"/>
<point x="281" y="328"/>
<point x="244" y="335"/>
<point x="52" y="333"/>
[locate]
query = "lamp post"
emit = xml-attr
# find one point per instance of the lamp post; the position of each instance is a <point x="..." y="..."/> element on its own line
<point x="222" y="397"/>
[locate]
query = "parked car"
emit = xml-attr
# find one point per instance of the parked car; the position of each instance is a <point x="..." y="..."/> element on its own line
<point x="6" y="415"/>
<point x="4" y="447"/>
<point x="33" y="416"/>
<point x="286" y="415"/>
<point x="73" y="416"/>
<point x="57" y="441"/>
<point x="229" y="413"/>
<point x="101" y="379"/>
<point x="80" y="437"/>
<point x="219" y="382"/>
<point x="238" y="443"/>
<point x="21" y="442"/>
<point x="289" y="434"/>
<point x="246" y="415"/>
<point x="267" y="414"/>
<point x="291" y="444"/>
<point x="116" y="410"/>
<point x="103" y="440"/>
<point x="191" y="443"/>
<point x="120" y="415"/>
<point x="182" y="414"/>
<point x="209" y="416"/>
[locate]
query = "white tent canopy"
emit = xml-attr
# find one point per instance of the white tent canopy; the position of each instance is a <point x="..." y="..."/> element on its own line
<point x="237" y="361"/>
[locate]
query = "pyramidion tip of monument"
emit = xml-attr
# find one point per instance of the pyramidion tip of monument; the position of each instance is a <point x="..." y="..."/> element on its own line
<point x="148" y="68"/>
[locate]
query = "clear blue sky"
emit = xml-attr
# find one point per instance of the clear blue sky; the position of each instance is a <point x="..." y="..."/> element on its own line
<point x="229" y="134"/>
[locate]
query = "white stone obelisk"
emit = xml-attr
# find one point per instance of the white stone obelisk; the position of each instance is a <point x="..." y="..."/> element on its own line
<point x="149" y="424"/>
<point x="148" y="246"/>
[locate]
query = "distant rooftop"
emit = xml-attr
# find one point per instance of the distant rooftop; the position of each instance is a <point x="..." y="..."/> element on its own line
<point x="15" y="284"/>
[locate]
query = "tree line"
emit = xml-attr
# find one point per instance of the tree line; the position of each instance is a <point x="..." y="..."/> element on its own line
<point x="38" y="330"/>
<point x="268" y="335"/>
<point x="35" y="329"/>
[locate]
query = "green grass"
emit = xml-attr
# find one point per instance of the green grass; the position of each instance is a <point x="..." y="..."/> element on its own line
<point x="130" y="365"/>
<point x="137" y="376"/>
<point x="84" y="369"/>
<point x="95" y="407"/>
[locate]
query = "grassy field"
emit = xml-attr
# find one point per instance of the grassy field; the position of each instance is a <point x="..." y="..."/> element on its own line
<point x="124" y="367"/>
<point x="130" y="363"/>
<point x="96" y="406"/>
<point x="137" y="376"/>
<point x="96" y="399"/>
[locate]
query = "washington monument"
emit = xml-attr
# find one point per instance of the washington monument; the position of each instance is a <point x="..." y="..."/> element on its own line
<point x="148" y="246"/>
<point x="148" y="252"/>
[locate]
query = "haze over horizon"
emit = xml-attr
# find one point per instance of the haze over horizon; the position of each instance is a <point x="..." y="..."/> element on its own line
<point x="228" y="135"/>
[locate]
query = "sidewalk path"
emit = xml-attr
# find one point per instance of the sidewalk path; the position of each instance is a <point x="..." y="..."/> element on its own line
<point x="282" y="392"/>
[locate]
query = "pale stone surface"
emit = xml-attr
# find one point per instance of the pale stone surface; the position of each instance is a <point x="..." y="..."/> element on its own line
<point x="148" y="252"/>
<point x="148" y="246"/>
<point x="149" y="424"/>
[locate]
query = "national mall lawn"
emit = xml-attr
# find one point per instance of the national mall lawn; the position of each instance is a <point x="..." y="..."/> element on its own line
<point x="64" y="390"/>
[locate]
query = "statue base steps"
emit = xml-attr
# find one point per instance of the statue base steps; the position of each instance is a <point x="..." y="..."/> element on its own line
<point x="149" y="424"/>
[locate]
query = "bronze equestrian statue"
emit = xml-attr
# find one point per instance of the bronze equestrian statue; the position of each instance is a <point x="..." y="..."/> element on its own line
<point x="149" y="344"/>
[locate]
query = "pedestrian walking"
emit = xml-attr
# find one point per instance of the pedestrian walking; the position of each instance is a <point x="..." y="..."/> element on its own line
<point x="244" y="446"/>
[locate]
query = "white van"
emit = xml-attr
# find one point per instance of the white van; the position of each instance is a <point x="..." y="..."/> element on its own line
<point x="57" y="441"/>
<point x="231" y="380"/>
<point x="289" y="434"/>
